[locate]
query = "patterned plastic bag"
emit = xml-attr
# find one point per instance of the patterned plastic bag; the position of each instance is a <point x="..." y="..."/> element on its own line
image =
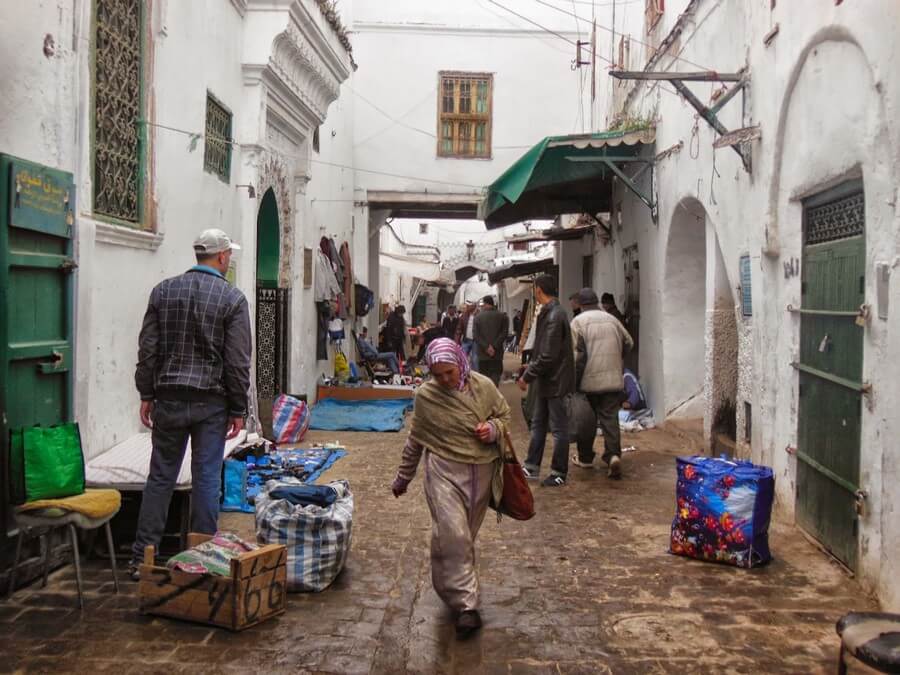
<point x="723" y="511"/>
<point x="317" y="538"/>
<point x="290" y="419"/>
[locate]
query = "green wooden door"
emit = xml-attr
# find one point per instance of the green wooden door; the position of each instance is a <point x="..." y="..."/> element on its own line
<point x="36" y="282"/>
<point x="831" y="363"/>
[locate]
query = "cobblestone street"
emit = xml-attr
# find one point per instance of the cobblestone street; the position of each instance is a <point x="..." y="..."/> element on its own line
<point x="585" y="587"/>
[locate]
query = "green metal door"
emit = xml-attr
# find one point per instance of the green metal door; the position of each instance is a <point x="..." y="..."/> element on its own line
<point x="36" y="283"/>
<point x="831" y="361"/>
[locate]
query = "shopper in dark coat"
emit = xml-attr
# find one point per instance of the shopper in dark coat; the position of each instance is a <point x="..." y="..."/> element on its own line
<point x="491" y="329"/>
<point x="551" y="369"/>
<point x="396" y="331"/>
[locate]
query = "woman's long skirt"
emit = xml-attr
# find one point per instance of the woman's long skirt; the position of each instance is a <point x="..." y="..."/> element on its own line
<point x="458" y="496"/>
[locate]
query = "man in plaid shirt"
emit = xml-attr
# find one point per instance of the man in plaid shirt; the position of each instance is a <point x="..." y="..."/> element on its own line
<point x="193" y="374"/>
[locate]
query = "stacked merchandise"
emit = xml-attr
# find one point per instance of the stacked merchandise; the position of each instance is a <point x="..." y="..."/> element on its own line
<point x="246" y="474"/>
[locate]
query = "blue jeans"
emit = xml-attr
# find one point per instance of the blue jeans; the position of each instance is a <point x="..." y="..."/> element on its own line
<point x="173" y="422"/>
<point x="552" y="410"/>
<point x="390" y="358"/>
<point x="468" y="347"/>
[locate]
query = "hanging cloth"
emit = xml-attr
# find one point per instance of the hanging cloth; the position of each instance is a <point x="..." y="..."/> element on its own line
<point x="348" y="276"/>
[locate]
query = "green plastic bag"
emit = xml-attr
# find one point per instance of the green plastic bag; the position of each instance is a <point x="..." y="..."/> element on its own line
<point x="17" y="466"/>
<point x="54" y="463"/>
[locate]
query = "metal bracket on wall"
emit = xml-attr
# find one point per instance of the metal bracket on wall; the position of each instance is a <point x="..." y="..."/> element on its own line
<point x="629" y="181"/>
<point x="740" y="79"/>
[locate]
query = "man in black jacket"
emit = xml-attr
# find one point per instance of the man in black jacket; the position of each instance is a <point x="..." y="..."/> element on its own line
<point x="491" y="328"/>
<point x="193" y="374"/>
<point x="552" y="370"/>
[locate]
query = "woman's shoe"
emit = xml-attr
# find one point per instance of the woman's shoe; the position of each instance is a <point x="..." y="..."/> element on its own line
<point x="467" y="623"/>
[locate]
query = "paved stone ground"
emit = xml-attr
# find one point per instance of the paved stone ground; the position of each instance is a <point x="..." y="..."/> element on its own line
<point x="584" y="587"/>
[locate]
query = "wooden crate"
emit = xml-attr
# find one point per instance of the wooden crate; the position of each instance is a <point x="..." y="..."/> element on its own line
<point x="252" y="593"/>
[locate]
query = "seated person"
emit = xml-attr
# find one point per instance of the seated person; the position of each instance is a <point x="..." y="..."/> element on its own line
<point x="369" y="353"/>
<point x="428" y="336"/>
<point x="634" y="395"/>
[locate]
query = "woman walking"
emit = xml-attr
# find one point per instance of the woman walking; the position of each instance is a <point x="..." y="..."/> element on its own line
<point x="458" y="421"/>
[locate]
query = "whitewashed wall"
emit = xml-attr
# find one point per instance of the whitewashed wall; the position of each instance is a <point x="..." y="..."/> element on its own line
<point x="825" y="95"/>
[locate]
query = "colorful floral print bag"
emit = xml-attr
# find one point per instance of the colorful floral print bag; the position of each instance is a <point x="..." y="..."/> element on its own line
<point x="723" y="508"/>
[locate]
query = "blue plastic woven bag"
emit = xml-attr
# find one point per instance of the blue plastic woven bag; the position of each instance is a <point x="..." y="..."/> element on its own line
<point x="234" y="487"/>
<point x="723" y="510"/>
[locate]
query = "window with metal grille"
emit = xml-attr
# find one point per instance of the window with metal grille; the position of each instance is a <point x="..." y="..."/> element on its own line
<point x="464" y="121"/>
<point x="117" y="110"/>
<point x="217" y="156"/>
<point x="836" y="214"/>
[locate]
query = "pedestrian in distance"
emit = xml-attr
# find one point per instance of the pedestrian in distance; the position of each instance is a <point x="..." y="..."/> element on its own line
<point x="575" y="304"/>
<point x="608" y="305"/>
<point x="465" y="333"/>
<point x="491" y="328"/>
<point x="458" y="421"/>
<point x="396" y="331"/>
<point x="600" y="343"/>
<point x="193" y="374"/>
<point x="551" y="369"/>
<point x="449" y="322"/>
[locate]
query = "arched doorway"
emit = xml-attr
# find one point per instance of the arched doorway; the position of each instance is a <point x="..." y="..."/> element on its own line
<point x="271" y="310"/>
<point x="700" y="345"/>
<point x="684" y="312"/>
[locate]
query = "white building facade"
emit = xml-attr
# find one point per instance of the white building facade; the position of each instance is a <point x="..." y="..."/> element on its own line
<point x="170" y="118"/>
<point x="750" y="278"/>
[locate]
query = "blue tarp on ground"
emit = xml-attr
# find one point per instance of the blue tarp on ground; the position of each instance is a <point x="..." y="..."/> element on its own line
<point x="333" y="415"/>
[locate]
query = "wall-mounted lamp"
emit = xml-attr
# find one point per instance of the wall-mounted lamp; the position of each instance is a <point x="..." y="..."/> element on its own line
<point x="251" y="191"/>
<point x="470" y="249"/>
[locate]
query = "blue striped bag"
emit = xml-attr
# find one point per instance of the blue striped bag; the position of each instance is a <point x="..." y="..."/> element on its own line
<point x="290" y="419"/>
<point x="317" y="538"/>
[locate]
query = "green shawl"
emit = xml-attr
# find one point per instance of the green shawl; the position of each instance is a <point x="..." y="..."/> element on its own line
<point x="444" y="421"/>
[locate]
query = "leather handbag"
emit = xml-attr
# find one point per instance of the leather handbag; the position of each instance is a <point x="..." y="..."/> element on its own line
<point x="517" y="501"/>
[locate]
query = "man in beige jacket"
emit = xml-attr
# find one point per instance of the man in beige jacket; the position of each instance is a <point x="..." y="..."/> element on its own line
<point x="600" y="343"/>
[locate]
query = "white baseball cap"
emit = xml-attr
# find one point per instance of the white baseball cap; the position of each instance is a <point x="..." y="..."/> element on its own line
<point x="214" y="241"/>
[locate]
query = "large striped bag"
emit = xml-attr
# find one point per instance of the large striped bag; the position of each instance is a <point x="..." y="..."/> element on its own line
<point x="317" y="537"/>
<point x="290" y="419"/>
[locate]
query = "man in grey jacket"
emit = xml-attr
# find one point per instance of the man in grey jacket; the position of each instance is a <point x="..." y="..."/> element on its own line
<point x="552" y="369"/>
<point x="600" y="342"/>
<point x="491" y="329"/>
<point x="193" y="374"/>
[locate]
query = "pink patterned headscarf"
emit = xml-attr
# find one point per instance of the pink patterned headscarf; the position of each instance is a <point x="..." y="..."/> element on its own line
<point x="445" y="350"/>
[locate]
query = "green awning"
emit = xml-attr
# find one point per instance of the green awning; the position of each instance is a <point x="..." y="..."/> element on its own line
<point x="563" y="174"/>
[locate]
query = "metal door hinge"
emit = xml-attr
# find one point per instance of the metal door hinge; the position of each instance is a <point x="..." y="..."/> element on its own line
<point x="861" y="497"/>
<point x="68" y="266"/>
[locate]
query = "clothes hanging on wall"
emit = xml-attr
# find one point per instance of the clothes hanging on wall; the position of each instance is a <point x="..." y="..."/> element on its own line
<point x="324" y="314"/>
<point x="348" y="276"/>
<point x="326" y="285"/>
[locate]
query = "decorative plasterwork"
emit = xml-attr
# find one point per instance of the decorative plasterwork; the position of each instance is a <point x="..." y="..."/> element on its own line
<point x="274" y="174"/>
<point x="295" y="62"/>
<point x="119" y="235"/>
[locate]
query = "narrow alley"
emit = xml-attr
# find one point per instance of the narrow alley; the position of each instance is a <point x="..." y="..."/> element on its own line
<point x="587" y="586"/>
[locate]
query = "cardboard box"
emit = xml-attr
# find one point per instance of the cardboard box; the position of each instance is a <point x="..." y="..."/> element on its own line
<point x="253" y="592"/>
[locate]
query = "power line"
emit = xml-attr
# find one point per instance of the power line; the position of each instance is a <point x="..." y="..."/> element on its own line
<point x="195" y="137"/>
<point x="612" y="31"/>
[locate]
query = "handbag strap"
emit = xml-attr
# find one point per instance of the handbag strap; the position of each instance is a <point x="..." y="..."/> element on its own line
<point x="510" y="451"/>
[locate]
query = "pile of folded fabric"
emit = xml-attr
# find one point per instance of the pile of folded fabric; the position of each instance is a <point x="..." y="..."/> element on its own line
<point x="211" y="557"/>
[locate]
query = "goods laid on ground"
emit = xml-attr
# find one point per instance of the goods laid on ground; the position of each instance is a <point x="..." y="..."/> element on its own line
<point x="252" y="591"/>
<point x="372" y="415"/>
<point x="314" y="523"/>
<point x="246" y="474"/>
<point x="723" y="510"/>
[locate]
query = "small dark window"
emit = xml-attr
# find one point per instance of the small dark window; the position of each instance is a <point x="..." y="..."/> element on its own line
<point x="746" y="295"/>
<point x="423" y="228"/>
<point x="316" y="140"/>
<point x="748" y="421"/>
<point x="217" y="155"/>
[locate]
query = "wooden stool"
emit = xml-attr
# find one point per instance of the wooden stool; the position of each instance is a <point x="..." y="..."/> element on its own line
<point x="872" y="638"/>
<point x="95" y="509"/>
